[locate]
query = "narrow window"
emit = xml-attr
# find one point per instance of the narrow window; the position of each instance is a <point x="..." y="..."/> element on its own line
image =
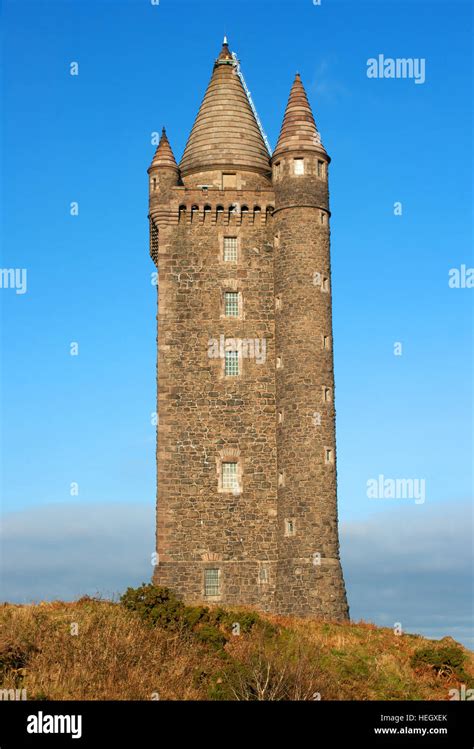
<point x="323" y="218"/>
<point x="281" y="478"/>
<point x="154" y="240"/>
<point x="326" y="394"/>
<point x="328" y="455"/>
<point x="289" y="527"/>
<point x="154" y="183"/>
<point x="211" y="582"/>
<point x="232" y="363"/>
<point x="298" y="166"/>
<point x="277" y="302"/>
<point x="325" y="284"/>
<point x="320" y="168"/>
<point x="263" y="575"/>
<point x="278" y="362"/>
<point x="231" y="302"/>
<point x="230" y="249"/>
<point x="326" y="342"/>
<point x="280" y="417"/>
<point x="230" y="479"/>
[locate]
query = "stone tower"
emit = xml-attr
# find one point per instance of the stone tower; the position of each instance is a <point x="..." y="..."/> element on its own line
<point x="247" y="507"/>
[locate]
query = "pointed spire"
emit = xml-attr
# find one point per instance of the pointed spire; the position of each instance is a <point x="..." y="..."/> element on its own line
<point x="225" y="54"/>
<point x="164" y="155"/>
<point x="298" y="131"/>
<point x="225" y="133"/>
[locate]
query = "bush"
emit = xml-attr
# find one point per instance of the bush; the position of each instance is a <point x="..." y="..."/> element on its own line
<point x="155" y="605"/>
<point x="444" y="661"/>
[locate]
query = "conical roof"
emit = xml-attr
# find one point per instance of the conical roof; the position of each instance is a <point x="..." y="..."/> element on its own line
<point x="298" y="131"/>
<point x="164" y="155"/>
<point x="225" y="133"/>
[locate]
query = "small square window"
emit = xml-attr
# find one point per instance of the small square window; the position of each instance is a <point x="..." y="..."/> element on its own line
<point x="298" y="166"/>
<point x="230" y="249"/>
<point x="230" y="479"/>
<point x="211" y="582"/>
<point x="231" y="303"/>
<point x="232" y="363"/>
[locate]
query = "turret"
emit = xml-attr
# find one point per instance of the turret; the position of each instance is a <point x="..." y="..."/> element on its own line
<point x="163" y="170"/>
<point x="310" y="577"/>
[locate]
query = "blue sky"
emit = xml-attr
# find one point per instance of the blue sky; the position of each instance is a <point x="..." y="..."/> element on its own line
<point x="87" y="138"/>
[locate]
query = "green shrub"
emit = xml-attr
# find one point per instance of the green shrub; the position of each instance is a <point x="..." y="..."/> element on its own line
<point x="212" y="636"/>
<point x="444" y="661"/>
<point x="156" y="605"/>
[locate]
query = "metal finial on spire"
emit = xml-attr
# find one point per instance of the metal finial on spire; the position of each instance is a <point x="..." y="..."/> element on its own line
<point x="225" y="40"/>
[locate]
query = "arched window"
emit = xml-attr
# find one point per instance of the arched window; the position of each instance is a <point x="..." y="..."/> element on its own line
<point x="194" y="212"/>
<point x="244" y="210"/>
<point x="257" y="212"/>
<point x="207" y="211"/>
<point x="219" y="211"/>
<point x="182" y="212"/>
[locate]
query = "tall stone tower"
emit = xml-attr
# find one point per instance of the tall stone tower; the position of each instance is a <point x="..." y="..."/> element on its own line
<point x="247" y="506"/>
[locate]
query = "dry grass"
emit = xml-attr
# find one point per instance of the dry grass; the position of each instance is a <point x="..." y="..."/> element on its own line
<point x="116" y="656"/>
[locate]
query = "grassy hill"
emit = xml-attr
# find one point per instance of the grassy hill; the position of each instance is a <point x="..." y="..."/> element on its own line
<point x="151" y="646"/>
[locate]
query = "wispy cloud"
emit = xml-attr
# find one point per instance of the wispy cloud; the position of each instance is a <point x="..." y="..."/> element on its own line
<point x="325" y="83"/>
<point x="411" y="565"/>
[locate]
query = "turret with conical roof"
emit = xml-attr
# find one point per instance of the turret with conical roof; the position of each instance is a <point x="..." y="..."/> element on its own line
<point x="225" y="136"/>
<point x="306" y="445"/>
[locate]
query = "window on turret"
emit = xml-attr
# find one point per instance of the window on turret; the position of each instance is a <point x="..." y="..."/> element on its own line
<point x="320" y="168"/>
<point x="327" y="395"/>
<point x="328" y="455"/>
<point x="298" y="166"/>
<point x="231" y="303"/>
<point x="277" y="170"/>
<point x="230" y="477"/>
<point x="230" y="249"/>
<point x="289" y="527"/>
<point x="232" y="363"/>
<point x="325" y="284"/>
<point x="211" y="582"/>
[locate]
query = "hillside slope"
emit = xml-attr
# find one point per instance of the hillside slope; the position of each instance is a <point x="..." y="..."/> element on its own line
<point x="152" y="647"/>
